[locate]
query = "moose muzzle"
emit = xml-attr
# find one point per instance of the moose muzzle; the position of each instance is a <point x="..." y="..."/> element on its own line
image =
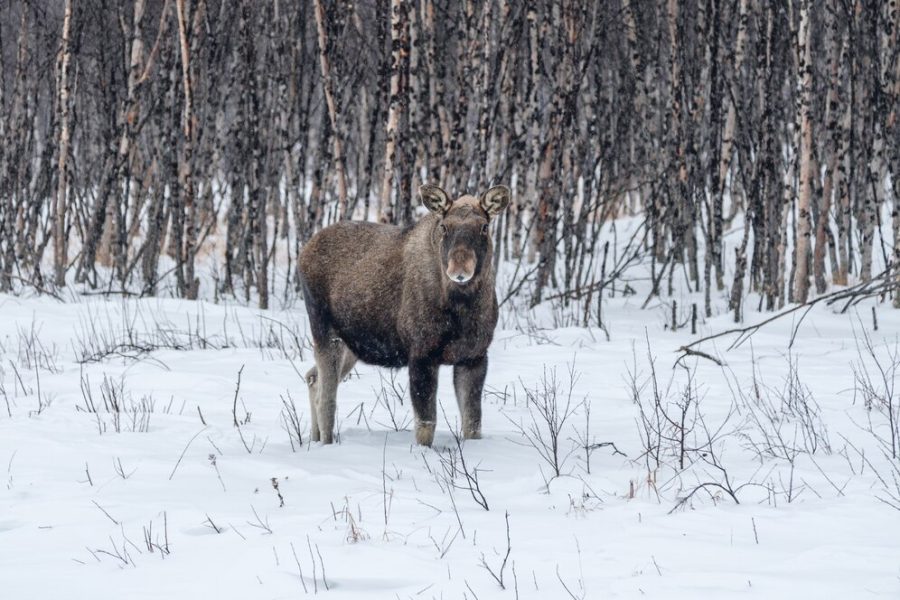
<point x="461" y="265"/>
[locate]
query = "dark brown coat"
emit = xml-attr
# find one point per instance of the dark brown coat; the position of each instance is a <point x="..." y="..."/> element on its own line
<point x="419" y="296"/>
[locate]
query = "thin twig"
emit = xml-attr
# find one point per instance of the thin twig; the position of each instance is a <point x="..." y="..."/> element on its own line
<point x="183" y="452"/>
<point x="237" y="390"/>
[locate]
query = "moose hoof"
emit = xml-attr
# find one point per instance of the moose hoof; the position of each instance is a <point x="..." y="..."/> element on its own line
<point x="472" y="434"/>
<point x="424" y="433"/>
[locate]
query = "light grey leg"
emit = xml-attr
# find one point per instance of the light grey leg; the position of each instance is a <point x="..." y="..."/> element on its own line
<point x="468" y="380"/>
<point x="311" y="377"/>
<point x="348" y="361"/>
<point x="329" y="357"/>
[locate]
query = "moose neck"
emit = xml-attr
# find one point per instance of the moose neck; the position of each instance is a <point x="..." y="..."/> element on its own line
<point x="455" y="294"/>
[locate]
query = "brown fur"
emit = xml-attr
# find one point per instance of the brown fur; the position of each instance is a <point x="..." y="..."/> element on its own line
<point x="384" y="294"/>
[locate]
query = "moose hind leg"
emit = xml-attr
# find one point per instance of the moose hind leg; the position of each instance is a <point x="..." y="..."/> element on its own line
<point x="313" y="387"/>
<point x="468" y="380"/>
<point x="327" y="377"/>
<point x="423" y="392"/>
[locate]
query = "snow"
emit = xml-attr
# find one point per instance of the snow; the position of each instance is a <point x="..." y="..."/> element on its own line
<point x="375" y="510"/>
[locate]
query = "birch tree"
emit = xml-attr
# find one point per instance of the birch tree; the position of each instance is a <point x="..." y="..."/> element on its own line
<point x="328" y="91"/>
<point x="193" y="147"/>
<point x="804" y="197"/>
<point x="63" y="107"/>
<point x="399" y="30"/>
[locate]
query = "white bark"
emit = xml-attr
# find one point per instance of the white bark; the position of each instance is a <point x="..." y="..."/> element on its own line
<point x="804" y="228"/>
<point x="384" y="204"/>
<point x="59" y="225"/>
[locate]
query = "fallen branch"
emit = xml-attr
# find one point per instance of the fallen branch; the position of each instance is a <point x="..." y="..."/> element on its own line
<point x="853" y="295"/>
<point x="689" y="352"/>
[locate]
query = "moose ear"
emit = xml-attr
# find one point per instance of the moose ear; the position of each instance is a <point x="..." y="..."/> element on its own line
<point x="435" y="199"/>
<point x="495" y="200"/>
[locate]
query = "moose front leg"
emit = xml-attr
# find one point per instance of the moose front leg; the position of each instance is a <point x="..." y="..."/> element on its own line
<point x="468" y="380"/>
<point x="423" y="391"/>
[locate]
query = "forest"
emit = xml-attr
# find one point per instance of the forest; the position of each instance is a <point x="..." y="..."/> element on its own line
<point x="693" y="387"/>
<point x="145" y="143"/>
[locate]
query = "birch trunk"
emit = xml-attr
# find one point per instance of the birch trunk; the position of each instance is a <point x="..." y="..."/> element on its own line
<point x="59" y="225"/>
<point x="384" y="202"/>
<point x="328" y="89"/>
<point x="832" y="146"/>
<point x="730" y="128"/>
<point x="189" y="284"/>
<point x="842" y="181"/>
<point x="892" y="128"/>
<point x="406" y="140"/>
<point x="805" y="85"/>
<point x="534" y="120"/>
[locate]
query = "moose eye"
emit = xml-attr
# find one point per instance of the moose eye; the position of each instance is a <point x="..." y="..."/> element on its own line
<point x="484" y="229"/>
<point x="443" y="229"/>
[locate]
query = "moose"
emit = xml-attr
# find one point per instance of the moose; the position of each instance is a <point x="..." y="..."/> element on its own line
<point x="419" y="296"/>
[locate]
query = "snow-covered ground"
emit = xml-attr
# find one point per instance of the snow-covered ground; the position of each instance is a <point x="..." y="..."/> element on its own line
<point x="779" y="486"/>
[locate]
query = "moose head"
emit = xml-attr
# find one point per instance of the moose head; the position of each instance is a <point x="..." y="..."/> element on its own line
<point x="462" y="232"/>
